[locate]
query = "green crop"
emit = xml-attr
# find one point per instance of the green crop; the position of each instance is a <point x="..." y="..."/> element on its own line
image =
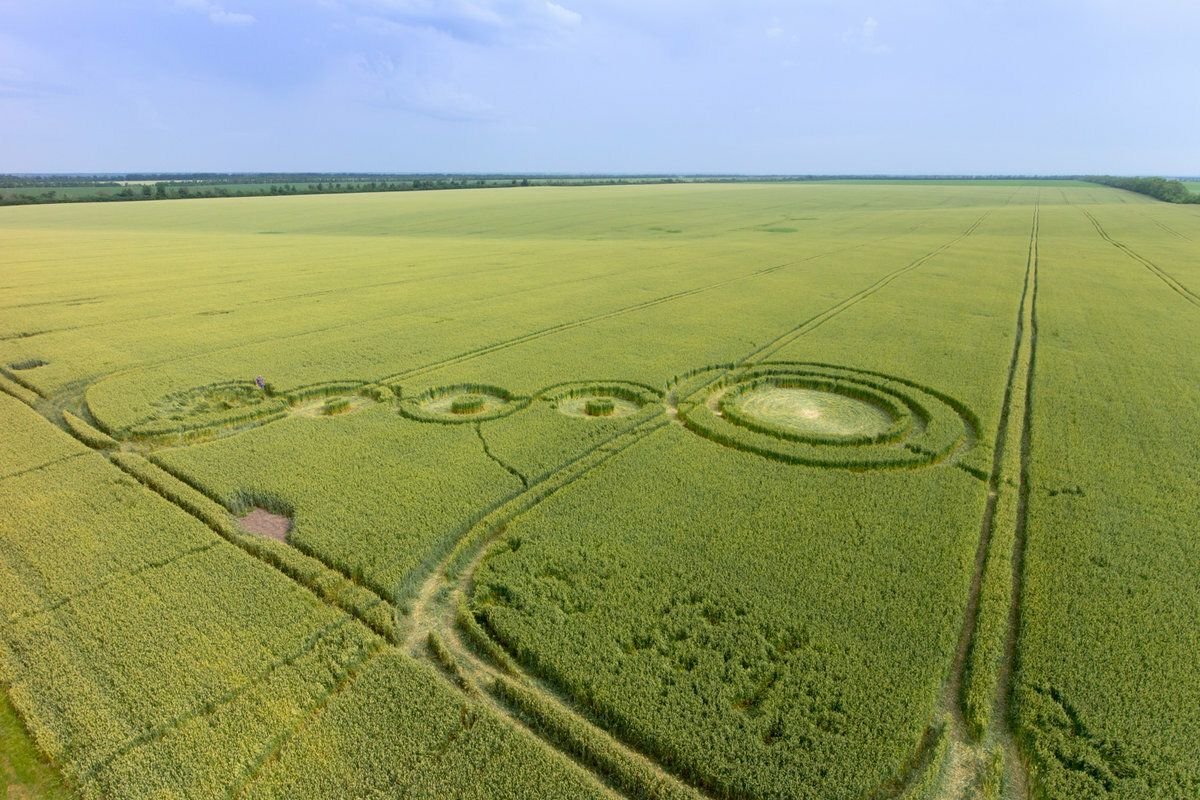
<point x="856" y="490"/>
<point x="336" y="405"/>
<point x="467" y="404"/>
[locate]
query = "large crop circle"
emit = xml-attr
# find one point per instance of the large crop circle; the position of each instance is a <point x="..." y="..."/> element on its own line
<point x="807" y="408"/>
<point x="824" y="415"/>
<point x="461" y="403"/>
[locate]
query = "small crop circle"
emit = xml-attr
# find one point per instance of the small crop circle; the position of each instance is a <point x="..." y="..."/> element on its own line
<point x="600" y="400"/>
<point x="824" y="415"/>
<point x="461" y="403"/>
<point x="468" y="404"/>
<point x="335" y="405"/>
<point x="599" y="406"/>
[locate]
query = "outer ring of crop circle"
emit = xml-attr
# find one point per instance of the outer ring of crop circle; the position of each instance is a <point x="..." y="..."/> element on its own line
<point x="947" y="428"/>
<point x="428" y="405"/>
<point x="571" y="399"/>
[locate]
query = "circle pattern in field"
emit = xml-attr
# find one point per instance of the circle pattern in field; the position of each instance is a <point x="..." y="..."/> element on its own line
<point x="811" y="413"/>
<point x="461" y="403"/>
<point x="824" y="415"/>
<point x="325" y="407"/>
<point x="597" y="401"/>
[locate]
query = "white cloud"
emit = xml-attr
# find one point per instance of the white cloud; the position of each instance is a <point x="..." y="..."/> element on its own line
<point x="865" y="38"/>
<point x="217" y="14"/>
<point x="564" y="16"/>
<point x="529" y="22"/>
<point x="222" y="17"/>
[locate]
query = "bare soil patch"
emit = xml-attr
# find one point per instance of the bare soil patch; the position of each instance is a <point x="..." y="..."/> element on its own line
<point x="264" y="523"/>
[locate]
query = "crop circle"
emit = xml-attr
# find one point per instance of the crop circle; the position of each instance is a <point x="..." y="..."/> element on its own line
<point x="824" y="415"/>
<point x="461" y="403"/>
<point x="599" y="406"/>
<point x="468" y="404"/>
<point x="810" y="409"/>
<point x="599" y="401"/>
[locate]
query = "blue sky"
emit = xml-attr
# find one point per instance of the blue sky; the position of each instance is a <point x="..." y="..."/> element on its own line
<point x="756" y="86"/>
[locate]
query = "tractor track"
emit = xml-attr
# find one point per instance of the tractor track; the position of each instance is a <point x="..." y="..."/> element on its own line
<point x="967" y="757"/>
<point x="1005" y="687"/>
<point x="1164" y="276"/>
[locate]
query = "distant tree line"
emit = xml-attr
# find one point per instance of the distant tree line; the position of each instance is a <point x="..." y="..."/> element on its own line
<point x="1171" y="191"/>
<point x="113" y="187"/>
<point x="27" y="189"/>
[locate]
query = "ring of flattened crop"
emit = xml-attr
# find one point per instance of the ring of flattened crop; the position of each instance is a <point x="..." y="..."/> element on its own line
<point x="825" y="415"/>
<point x="461" y="403"/>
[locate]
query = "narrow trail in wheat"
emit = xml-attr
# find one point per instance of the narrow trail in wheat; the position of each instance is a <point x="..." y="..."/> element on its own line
<point x="963" y="773"/>
<point x="1003" y="720"/>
